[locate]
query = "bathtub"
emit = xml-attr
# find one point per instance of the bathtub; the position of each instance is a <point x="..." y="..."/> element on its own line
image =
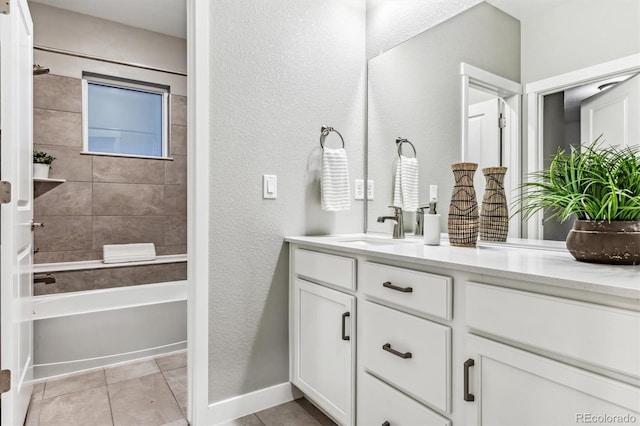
<point x="82" y="330"/>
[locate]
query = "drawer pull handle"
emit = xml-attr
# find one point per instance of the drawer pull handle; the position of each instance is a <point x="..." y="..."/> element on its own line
<point x="344" y="318"/>
<point x="386" y="423"/>
<point x="387" y="284"/>
<point x="387" y="347"/>
<point x="468" y="396"/>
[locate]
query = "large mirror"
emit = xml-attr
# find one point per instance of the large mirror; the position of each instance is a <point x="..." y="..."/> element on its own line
<point x="417" y="91"/>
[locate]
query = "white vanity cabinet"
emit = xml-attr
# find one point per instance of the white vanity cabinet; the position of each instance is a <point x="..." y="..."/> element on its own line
<point x="323" y="332"/>
<point x="505" y="385"/>
<point x="442" y="340"/>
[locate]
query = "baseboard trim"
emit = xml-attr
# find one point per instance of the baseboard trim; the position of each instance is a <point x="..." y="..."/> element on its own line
<point x="243" y="405"/>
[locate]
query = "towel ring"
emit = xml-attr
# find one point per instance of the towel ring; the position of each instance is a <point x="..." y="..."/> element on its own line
<point x="400" y="141"/>
<point x="324" y="131"/>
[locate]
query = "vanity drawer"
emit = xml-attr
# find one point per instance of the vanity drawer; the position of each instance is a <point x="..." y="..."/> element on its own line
<point x="326" y="268"/>
<point x="412" y="353"/>
<point x="380" y="403"/>
<point x="428" y="293"/>
<point x="598" y="335"/>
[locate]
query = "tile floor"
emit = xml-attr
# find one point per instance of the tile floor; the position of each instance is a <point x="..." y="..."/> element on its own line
<point x="152" y="392"/>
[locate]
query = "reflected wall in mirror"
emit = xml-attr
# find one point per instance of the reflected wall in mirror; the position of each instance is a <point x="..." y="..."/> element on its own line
<point x="415" y="91"/>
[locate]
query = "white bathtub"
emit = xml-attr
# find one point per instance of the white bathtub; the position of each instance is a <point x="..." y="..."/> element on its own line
<point x="87" y="329"/>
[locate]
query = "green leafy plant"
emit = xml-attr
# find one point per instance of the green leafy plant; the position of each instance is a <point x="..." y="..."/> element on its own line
<point x="41" y="157"/>
<point x="590" y="182"/>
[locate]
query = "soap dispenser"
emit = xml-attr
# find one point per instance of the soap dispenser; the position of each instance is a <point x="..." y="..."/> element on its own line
<point x="431" y="221"/>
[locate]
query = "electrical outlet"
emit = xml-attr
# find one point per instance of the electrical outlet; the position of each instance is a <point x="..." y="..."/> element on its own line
<point x="359" y="189"/>
<point x="370" y="189"/>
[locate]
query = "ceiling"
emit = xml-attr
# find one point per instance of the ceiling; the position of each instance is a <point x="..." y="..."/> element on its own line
<point x="162" y="16"/>
<point x="522" y="9"/>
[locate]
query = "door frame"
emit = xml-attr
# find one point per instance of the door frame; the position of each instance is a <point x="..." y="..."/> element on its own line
<point x="198" y="110"/>
<point x="535" y="92"/>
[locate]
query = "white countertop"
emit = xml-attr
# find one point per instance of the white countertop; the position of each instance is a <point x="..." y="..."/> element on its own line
<point x="557" y="268"/>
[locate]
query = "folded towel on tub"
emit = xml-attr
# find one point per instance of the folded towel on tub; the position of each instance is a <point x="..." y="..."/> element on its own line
<point x="117" y="253"/>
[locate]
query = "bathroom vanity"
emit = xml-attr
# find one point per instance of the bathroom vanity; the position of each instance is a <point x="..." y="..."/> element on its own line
<point x="393" y="332"/>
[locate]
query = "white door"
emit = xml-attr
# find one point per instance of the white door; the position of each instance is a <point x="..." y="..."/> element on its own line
<point x="509" y="386"/>
<point x="324" y="327"/>
<point x="16" y="88"/>
<point x="613" y="113"/>
<point x="483" y="140"/>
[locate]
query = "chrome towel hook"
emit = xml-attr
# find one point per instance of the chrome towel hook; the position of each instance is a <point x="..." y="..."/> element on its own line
<point x="400" y="141"/>
<point x="324" y="131"/>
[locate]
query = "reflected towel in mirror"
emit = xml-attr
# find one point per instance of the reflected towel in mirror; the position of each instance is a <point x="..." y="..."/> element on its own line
<point x="405" y="191"/>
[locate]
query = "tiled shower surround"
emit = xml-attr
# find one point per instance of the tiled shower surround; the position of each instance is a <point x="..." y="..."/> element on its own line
<point x="105" y="199"/>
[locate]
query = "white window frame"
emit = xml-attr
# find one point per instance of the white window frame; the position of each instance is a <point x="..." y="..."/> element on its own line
<point x="122" y="83"/>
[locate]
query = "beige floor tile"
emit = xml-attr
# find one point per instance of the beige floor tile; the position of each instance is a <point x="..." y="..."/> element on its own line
<point x="181" y="422"/>
<point x="250" y="420"/>
<point x="173" y="361"/>
<point x="295" y="413"/>
<point x="33" y="413"/>
<point x="87" y="407"/>
<point x="177" y="380"/>
<point x="131" y="371"/>
<point x="37" y="392"/>
<point x="145" y="401"/>
<point x="75" y="383"/>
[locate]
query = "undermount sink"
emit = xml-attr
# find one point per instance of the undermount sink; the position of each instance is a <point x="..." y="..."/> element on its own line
<point x="363" y="241"/>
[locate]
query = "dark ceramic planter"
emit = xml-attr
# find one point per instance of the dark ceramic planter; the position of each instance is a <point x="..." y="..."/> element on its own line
<point x="613" y="243"/>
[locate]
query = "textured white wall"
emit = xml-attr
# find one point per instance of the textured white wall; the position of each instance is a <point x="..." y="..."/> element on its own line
<point x="280" y="70"/>
<point x="577" y="34"/>
<point x="391" y="22"/>
<point x="62" y="29"/>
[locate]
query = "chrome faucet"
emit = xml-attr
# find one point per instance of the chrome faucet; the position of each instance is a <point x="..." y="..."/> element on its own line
<point x="398" y="226"/>
<point x="420" y="219"/>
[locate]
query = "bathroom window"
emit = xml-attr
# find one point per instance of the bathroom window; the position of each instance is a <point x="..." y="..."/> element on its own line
<point x="124" y="117"/>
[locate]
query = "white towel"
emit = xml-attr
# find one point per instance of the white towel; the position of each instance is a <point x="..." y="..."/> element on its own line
<point x="405" y="191"/>
<point x="334" y="184"/>
<point x="117" y="253"/>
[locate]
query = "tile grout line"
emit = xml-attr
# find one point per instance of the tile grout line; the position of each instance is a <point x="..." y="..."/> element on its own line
<point x="184" y="415"/>
<point x="104" y="371"/>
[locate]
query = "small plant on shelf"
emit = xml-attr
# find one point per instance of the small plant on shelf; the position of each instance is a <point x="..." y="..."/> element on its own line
<point x="41" y="157"/>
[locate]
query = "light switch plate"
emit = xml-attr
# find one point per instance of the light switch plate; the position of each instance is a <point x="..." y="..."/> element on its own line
<point x="370" y="189"/>
<point x="433" y="192"/>
<point x="359" y="189"/>
<point x="269" y="187"/>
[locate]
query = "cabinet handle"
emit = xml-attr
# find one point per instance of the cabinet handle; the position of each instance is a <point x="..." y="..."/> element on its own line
<point x="344" y="317"/>
<point x="468" y="396"/>
<point x="387" y="284"/>
<point x="386" y="423"/>
<point x="387" y="347"/>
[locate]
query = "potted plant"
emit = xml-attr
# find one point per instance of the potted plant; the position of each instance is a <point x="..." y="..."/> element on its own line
<point x="41" y="164"/>
<point x="600" y="186"/>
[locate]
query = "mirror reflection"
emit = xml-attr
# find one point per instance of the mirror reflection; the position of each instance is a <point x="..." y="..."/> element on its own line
<point x="417" y="91"/>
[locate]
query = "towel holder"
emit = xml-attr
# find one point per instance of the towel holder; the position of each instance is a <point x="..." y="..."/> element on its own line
<point x="400" y="141"/>
<point x="324" y="131"/>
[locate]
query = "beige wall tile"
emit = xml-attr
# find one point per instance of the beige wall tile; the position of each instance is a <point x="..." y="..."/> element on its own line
<point x="138" y="275"/>
<point x="63" y="233"/>
<point x="56" y="92"/>
<point x="175" y="199"/>
<point x="127" y="170"/>
<point x="122" y="199"/>
<point x="67" y="281"/>
<point x="69" y="163"/>
<point x="179" y="110"/>
<point x="176" y="171"/>
<point x="67" y="199"/>
<point x="178" y="140"/>
<point x="127" y="229"/>
<point x="66" y="256"/>
<point x="164" y="250"/>
<point x="175" y="231"/>
<point x="52" y="127"/>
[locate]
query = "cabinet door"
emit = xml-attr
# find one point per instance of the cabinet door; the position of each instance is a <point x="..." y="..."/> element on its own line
<point x="323" y="339"/>
<point x="509" y="386"/>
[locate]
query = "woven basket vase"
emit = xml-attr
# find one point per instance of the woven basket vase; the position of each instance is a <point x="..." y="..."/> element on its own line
<point x="463" y="211"/>
<point x="494" y="215"/>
